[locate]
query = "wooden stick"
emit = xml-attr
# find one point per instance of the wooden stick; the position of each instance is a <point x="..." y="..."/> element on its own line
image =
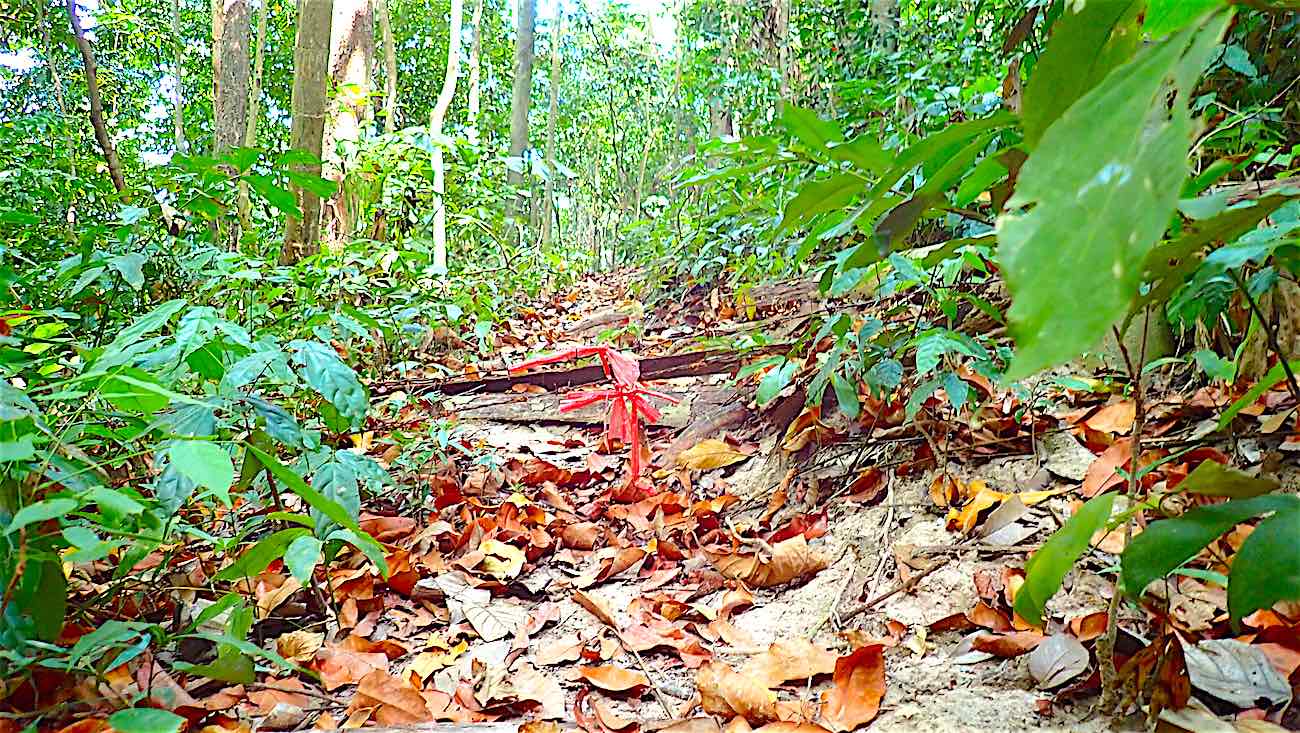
<point x="907" y="585"/>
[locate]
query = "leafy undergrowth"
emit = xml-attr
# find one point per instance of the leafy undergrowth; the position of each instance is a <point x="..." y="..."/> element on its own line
<point x="529" y="569"/>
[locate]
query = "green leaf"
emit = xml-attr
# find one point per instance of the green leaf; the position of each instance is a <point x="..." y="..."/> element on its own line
<point x="334" y="380"/>
<point x="144" y="325"/>
<point x="1048" y="567"/>
<point x="864" y="152"/>
<point x="205" y="463"/>
<point x="1095" y="197"/>
<point x="1084" y="48"/>
<point x="1238" y="59"/>
<point x="145" y="720"/>
<point x="1212" y="478"/>
<point x="259" y="556"/>
<point x="301" y="557"/>
<point x="1270" y="379"/>
<point x="819" y="196"/>
<point x="1166" y="16"/>
<point x="1168" y="543"/>
<point x="321" y="187"/>
<point x="281" y="198"/>
<point x="41" y="511"/>
<point x="1267" y="567"/>
<point x="114" y="500"/>
<point x="314" y="498"/>
<point x="774" y="381"/>
<point x="130" y="267"/>
<point x="986" y="173"/>
<point x="812" y="131"/>
<point x="846" y="394"/>
<point x="134" y="390"/>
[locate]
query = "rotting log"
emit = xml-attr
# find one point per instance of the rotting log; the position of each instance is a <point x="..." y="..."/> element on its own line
<point x="692" y="364"/>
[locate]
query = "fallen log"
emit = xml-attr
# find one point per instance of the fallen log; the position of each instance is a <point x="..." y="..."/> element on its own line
<point x="691" y="364"/>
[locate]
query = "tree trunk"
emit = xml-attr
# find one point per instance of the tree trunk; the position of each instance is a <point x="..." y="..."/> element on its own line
<point x="783" y="51"/>
<point x="475" y="51"/>
<point x="435" y="131"/>
<point x="178" y="108"/>
<point x="307" y="129"/>
<point x="551" y="120"/>
<point x="522" y="92"/>
<point x="230" y="25"/>
<point x="352" y="47"/>
<point x="390" y="68"/>
<point x="884" y="19"/>
<point x="254" y="109"/>
<point x="96" y="102"/>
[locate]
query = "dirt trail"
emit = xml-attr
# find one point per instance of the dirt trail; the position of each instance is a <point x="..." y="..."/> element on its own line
<point x="626" y="592"/>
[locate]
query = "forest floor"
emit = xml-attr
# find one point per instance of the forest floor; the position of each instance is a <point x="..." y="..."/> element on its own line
<point x="777" y="565"/>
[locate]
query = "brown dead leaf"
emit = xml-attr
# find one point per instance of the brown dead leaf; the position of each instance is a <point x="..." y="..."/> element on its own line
<point x="692" y="725"/>
<point x="789" y="659"/>
<point x="786" y="726"/>
<point x="299" y="646"/>
<point x="565" y="649"/>
<point x="1115" y="418"/>
<point x="608" y="717"/>
<point x="287" y="691"/>
<point x="709" y="454"/>
<point x="859" y="686"/>
<point x="613" y="677"/>
<point x="791" y="559"/>
<point x="338" y="666"/>
<point x="500" y="560"/>
<point x="1012" y="644"/>
<point x="1101" y="474"/>
<point x="398" y="703"/>
<point x="723" y="691"/>
<point x="596" y="607"/>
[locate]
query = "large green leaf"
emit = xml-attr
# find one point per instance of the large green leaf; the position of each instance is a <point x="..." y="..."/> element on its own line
<point x="205" y="463"/>
<point x="263" y="553"/>
<point x="1047" y="568"/>
<point x="1084" y="48"/>
<point x="334" y="380"/>
<point x="1212" y="478"/>
<point x="1166" y="16"/>
<point x="301" y="557"/>
<point x="40" y="511"/>
<point x="295" y="483"/>
<point x="145" y="720"/>
<point x="1168" y="543"/>
<point x="812" y="131"/>
<point x="281" y="198"/>
<point x="1267" y="567"/>
<point x="821" y="195"/>
<point x="1091" y="202"/>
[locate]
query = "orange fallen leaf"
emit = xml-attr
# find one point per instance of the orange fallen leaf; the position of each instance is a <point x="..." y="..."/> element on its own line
<point x="338" y="666"/>
<point x="1012" y="644"/>
<point x="791" y="559"/>
<point x="398" y="703"/>
<point x="299" y="646"/>
<point x="1114" y="418"/>
<point x="859" y="686"/>
<point x="786" y="726"/>
<point x="287" y="691"/>
<point x="709" y="454"/>
<point x="613" y="677"/>
<point x="596" y="607"/>
<point x="1101" y="474"/>
<point x="608" y="717"/>
<point x="723" y="691"/>
<point x="789" y="659"/>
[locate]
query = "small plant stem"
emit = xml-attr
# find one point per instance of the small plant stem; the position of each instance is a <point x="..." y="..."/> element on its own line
<point x="1270" y="335"/>
<point x="1106" y="644"/>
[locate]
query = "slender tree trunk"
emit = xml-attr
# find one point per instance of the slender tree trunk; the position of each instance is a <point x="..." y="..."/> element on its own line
<point x="475" y="51"/>
<point x="307" y="129"/>
<point x="230" y="26"/>
<point x="440" y="108"/>
<point x="390" y="68"/>
<point x="884" y="18"/>
<point x="178" y="108"/>
<point x="522" y="92"/>
<point x="783" y="50"/>
<point x="254" y="109"/>
<point x="352" y="47"/>
<point x="56" y="81"/>
<point x="96" y="102"/>
<point x="551" y="121"/>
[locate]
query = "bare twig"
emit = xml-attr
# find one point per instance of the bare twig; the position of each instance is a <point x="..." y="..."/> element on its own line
<point x="1271" y="335"/>
<point x="903" y="587"/>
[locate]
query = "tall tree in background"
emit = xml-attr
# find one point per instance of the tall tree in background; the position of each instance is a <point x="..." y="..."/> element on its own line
<point x="390" y="67"/>
<point x="230" y="30"/>
<point x="307" y="130"/>
<point x="435" y="131"/>
<point x="178" y="109"/>
<point x="551" y="120"/>
<point x="254" y="108"/>
<point x="352" y="48"/>
<point x="96" y="102"/>
<point x="475" y="52"/>
<point x="523" y="86"/>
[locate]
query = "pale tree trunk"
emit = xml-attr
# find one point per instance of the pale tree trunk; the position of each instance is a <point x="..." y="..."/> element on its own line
<point x="475" y="51"/>
<point x="230" y="25"/>
<point x="551" y="121"/>
<point x="352" y="47"/>
<point x="445" y="95"/>
<point x="783" y="51"/>
<point x="522" y="92"/>
<point x="178" y="108"/>
<point x="254" y="109"/>
<point x="307" y="130"/>
<point x="96" y="102"/>
<point x="884" y="19"/>
<point x="390" y="68"/>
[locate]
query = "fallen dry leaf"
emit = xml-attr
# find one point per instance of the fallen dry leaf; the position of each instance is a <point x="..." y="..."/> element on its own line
<point x="1012" y="644"/>
<point x="596" y="607"/>
<point x="1057" y="660"/>
<point x="1115" y="418"/>
<point x="709" y="454"/>
<point x="789" y="659"/>
<point x="613" y="677"/>
<point x="790" y="560"/>
<point x="1101" y="474"/>
<point x="299" y="646"/>
<point x="500" y="560"/>
<point x="338" y="666"/>
<point x="859" y="686"/>
<point x="398" y="703"/>
<point x="608" y="717"/>
<point x="723" y="691"/>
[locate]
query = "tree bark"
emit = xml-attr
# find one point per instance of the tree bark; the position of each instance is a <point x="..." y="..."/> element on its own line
<point x="551" y="122"/>
<point x="884" y="18"/>
<point x="307" y="129"/>
<point x="390" y="68"/>
<point x="178" y="107"/>
<point x="96" y="102"/>
<point x="254" y="109"/>
<point x="230" y="74"/>
<point x="522" y="92"/>
<point x="475" y="51"/>
<point x="440" y="108"/>
<point x="352" y="47"/>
